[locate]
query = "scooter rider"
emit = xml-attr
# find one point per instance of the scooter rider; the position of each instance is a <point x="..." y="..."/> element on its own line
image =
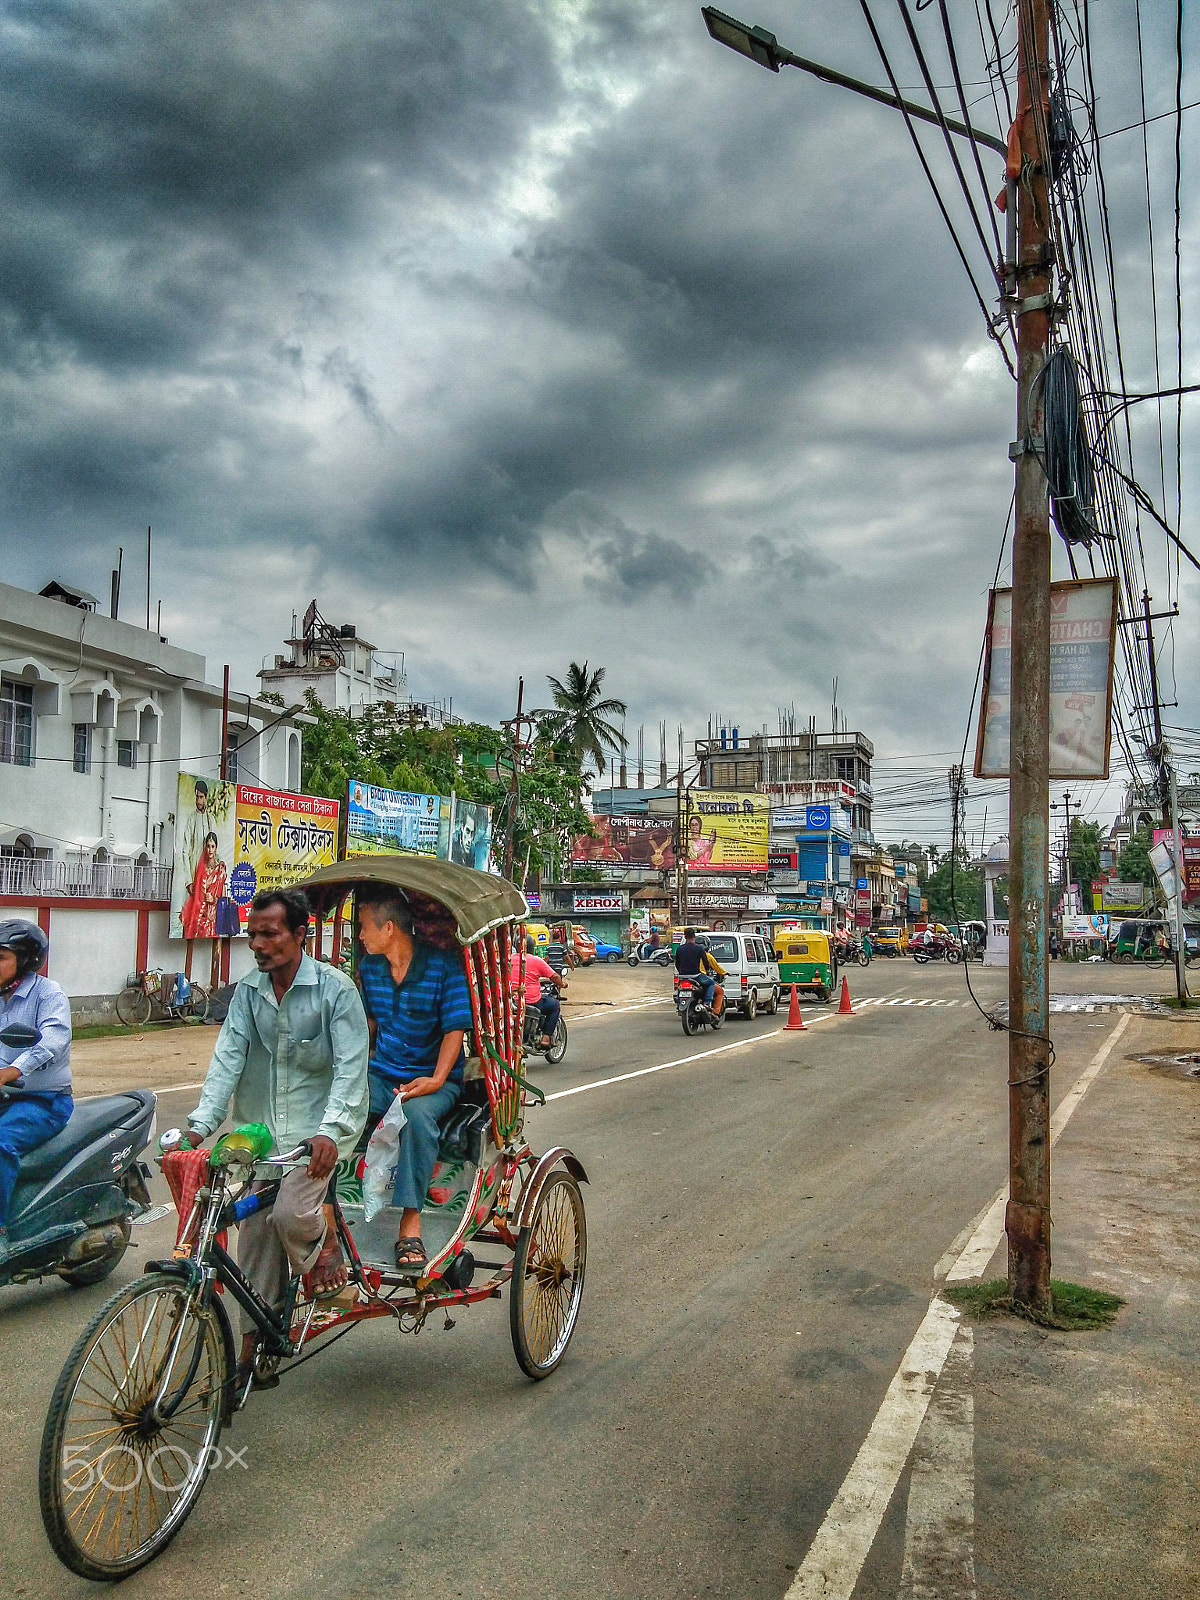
<point x="44" y="1069"/>
<point x="694" y="961"/>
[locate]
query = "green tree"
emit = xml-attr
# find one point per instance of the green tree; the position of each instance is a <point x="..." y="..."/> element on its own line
<point x="383" y="747"/>
<point x="579" y="725"/>
<point x="967" y="890"/>
<point x="1134" y="864"/>
<point x="1084" y="855"/>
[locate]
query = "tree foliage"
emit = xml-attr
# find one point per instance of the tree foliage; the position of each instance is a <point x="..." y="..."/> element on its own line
<point x="967" y="890"/>
<point x="579" y="725"/>
<point x="1084" y="855"/>
<point x="1134" y="865"/>
<point x="383" y="747"/>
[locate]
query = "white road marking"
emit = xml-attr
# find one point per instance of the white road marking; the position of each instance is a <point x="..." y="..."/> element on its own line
<point x="616" y="1011"/>
<point x="683" y="1061"/>
<point x="939" y="1538"/>
<point x="835" y="1558"/>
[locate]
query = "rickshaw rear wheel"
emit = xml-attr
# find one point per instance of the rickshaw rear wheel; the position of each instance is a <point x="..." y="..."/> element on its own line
<point x="547" y="1280"/>
<point x="115" y="1486"/>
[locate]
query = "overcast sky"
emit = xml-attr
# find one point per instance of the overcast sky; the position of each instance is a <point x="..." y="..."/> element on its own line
<point x="523" y="333"/>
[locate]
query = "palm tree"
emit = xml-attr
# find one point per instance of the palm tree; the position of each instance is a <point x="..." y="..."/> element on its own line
<point x="579" y="721"/>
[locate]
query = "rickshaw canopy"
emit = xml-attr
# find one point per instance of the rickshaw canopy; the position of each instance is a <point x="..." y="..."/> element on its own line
<point x="478" y="901"/>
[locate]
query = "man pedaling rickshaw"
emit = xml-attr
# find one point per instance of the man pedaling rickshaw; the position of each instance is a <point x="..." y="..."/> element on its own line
<point x="695" y="961"/>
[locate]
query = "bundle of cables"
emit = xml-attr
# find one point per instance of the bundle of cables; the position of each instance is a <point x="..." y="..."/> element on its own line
<point x="1067" y="461"/>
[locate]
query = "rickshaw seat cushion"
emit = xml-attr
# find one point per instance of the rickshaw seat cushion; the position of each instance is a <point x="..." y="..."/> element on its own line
<point x="465" y="1125"/>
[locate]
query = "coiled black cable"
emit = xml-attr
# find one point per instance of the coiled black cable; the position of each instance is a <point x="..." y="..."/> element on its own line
<point x="1067" y="460"/>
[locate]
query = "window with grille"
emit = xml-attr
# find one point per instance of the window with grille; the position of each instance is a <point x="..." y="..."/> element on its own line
<point x="16" y="723"/>
<point x="82" y="761"/>
<point x="231" y="755"/>
<point x="126" y="753"/>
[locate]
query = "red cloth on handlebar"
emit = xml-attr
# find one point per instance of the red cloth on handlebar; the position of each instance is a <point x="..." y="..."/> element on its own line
<point x="185" y="1171"/>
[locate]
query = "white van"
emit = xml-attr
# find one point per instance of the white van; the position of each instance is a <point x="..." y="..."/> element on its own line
<point x="751" y="971"/>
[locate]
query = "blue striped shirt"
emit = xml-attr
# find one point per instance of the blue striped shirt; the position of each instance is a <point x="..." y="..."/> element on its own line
<point x="413" y="1017"/>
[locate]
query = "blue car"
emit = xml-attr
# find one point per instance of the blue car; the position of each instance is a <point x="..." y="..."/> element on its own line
<point x="607" y="952"/>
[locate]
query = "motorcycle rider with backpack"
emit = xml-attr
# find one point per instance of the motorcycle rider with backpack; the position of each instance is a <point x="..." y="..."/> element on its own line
<point x="43" y="1070"/>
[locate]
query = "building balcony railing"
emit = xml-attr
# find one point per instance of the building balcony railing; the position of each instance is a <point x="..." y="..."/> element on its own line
<point x="85" y="879"/>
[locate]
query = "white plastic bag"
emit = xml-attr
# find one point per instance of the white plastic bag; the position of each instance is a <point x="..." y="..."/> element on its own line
<point x="383" y="1150"/>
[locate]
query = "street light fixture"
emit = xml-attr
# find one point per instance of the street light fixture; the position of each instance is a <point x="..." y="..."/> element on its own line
<point x="763" y="47"/>
<point x="756" y="43"/>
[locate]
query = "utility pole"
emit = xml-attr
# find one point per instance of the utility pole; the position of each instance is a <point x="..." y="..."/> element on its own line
<point x="515" y="726"/>
<point x="1027" y="1218"/>
<point x="1181" y="988"/>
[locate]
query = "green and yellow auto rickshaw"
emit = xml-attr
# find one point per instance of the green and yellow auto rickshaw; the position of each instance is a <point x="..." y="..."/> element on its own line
<point x="805" y="961"/>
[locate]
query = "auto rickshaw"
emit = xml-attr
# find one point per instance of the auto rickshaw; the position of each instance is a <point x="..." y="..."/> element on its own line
<point x="805" y="961"/>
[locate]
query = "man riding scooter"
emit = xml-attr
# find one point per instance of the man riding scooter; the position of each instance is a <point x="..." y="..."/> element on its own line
<point x="693" y="960"/>
<point x="43" y="1070"/>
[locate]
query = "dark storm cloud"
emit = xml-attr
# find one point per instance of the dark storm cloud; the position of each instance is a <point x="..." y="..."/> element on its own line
<point x="517" y="332"/>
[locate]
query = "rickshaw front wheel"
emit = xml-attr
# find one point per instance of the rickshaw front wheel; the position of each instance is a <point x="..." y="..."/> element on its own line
<point x="115" y="1482"/>
<point x="547" y="1281"/>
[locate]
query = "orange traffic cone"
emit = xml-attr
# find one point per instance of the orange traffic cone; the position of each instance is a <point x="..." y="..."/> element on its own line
<point x="845" y="1009"/>
<point x="795" y="1020"/>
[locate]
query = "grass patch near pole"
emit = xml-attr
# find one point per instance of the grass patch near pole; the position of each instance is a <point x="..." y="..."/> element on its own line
<point x="1075" y="1308"/>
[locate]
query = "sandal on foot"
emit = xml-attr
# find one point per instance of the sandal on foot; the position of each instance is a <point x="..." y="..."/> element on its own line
<point x="327" y="1277"/>
<point x="410" y="1253"/>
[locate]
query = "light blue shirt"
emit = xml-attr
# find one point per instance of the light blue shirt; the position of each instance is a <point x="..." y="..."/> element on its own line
<point x="40" y="1003"/>
<point x="299" y="1064"/>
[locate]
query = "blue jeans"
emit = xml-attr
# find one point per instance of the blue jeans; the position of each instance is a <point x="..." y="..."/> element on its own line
<point x="707" y="985"/>
<point x="419" y="1137"/>
<point x="25" y="1124"/>
<point x="551" y="1010"/>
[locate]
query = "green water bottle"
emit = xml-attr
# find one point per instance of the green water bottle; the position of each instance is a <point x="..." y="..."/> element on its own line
<point x="250" y="1142"/>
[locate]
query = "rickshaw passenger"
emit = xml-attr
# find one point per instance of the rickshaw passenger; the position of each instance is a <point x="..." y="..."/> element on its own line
<point x="419" y="1010"/>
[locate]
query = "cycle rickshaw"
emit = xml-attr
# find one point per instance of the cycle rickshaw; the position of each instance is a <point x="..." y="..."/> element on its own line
<point x="136" y="1414"/>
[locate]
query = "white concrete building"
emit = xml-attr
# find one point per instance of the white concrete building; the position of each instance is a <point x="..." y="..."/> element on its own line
<point x="97" y="718"/>
<point x="346" y="673"/>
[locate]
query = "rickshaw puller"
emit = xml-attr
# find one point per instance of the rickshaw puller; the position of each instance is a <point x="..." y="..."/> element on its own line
<point x="292" y="1053"/>
<point x="419" y="1007"/>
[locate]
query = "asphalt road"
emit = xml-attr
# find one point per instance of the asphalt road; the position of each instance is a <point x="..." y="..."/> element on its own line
<point x="765" y="1222"/>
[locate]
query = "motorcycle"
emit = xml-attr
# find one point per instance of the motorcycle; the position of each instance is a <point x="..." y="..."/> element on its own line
<point x="531" y="1037"/>
<point x="937" y="950"/>
<point x="78" y="1194"/>
<point x="694" y="1013"/>
<point x="643" y="954"/>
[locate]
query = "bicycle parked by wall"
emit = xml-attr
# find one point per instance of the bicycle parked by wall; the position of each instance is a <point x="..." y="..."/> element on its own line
<point x="163" y="996"/>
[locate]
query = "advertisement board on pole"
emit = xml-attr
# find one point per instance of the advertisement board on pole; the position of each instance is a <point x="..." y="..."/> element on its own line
<point x="1123" y="897"/>
<point x="1191" y="859"/>
<point x="470" y="834"/>
<point x="639" y="841"/>
<point x="1083" y="627"/>
<point x="728" y="828"/>
<point x="396" y="822"/>
<point x="235" y="839"/>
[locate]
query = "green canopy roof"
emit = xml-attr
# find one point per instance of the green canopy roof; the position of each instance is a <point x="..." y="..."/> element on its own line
<point x="478" y="900"/>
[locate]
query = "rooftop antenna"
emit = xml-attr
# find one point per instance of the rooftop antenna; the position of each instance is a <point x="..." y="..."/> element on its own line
<point x="662" y="755"/>
<point x="642" y="755"/>
<point x="147" y="580"/>
<point x="835" y="684"/>
<point x="115" y="592"/>
<point x="624" y="746"/>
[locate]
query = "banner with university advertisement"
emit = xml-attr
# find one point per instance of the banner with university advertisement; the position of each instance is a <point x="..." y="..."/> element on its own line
<point x="233" y="839"/>
<point x="640" y="841"/>
<point x="395" y="822"/>
<point x="728" y="828"/>
<point x="1083" y="627"/>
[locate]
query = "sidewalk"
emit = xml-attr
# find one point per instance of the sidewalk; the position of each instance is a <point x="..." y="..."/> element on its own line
<point x="1086" y="1462"/>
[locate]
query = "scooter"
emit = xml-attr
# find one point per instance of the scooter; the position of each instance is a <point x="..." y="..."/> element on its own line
<point x="78" y="1195"/>
<point x="644" y="953"/>
<point x="694" y="1013"/>
<point x="531" y="1038"/>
